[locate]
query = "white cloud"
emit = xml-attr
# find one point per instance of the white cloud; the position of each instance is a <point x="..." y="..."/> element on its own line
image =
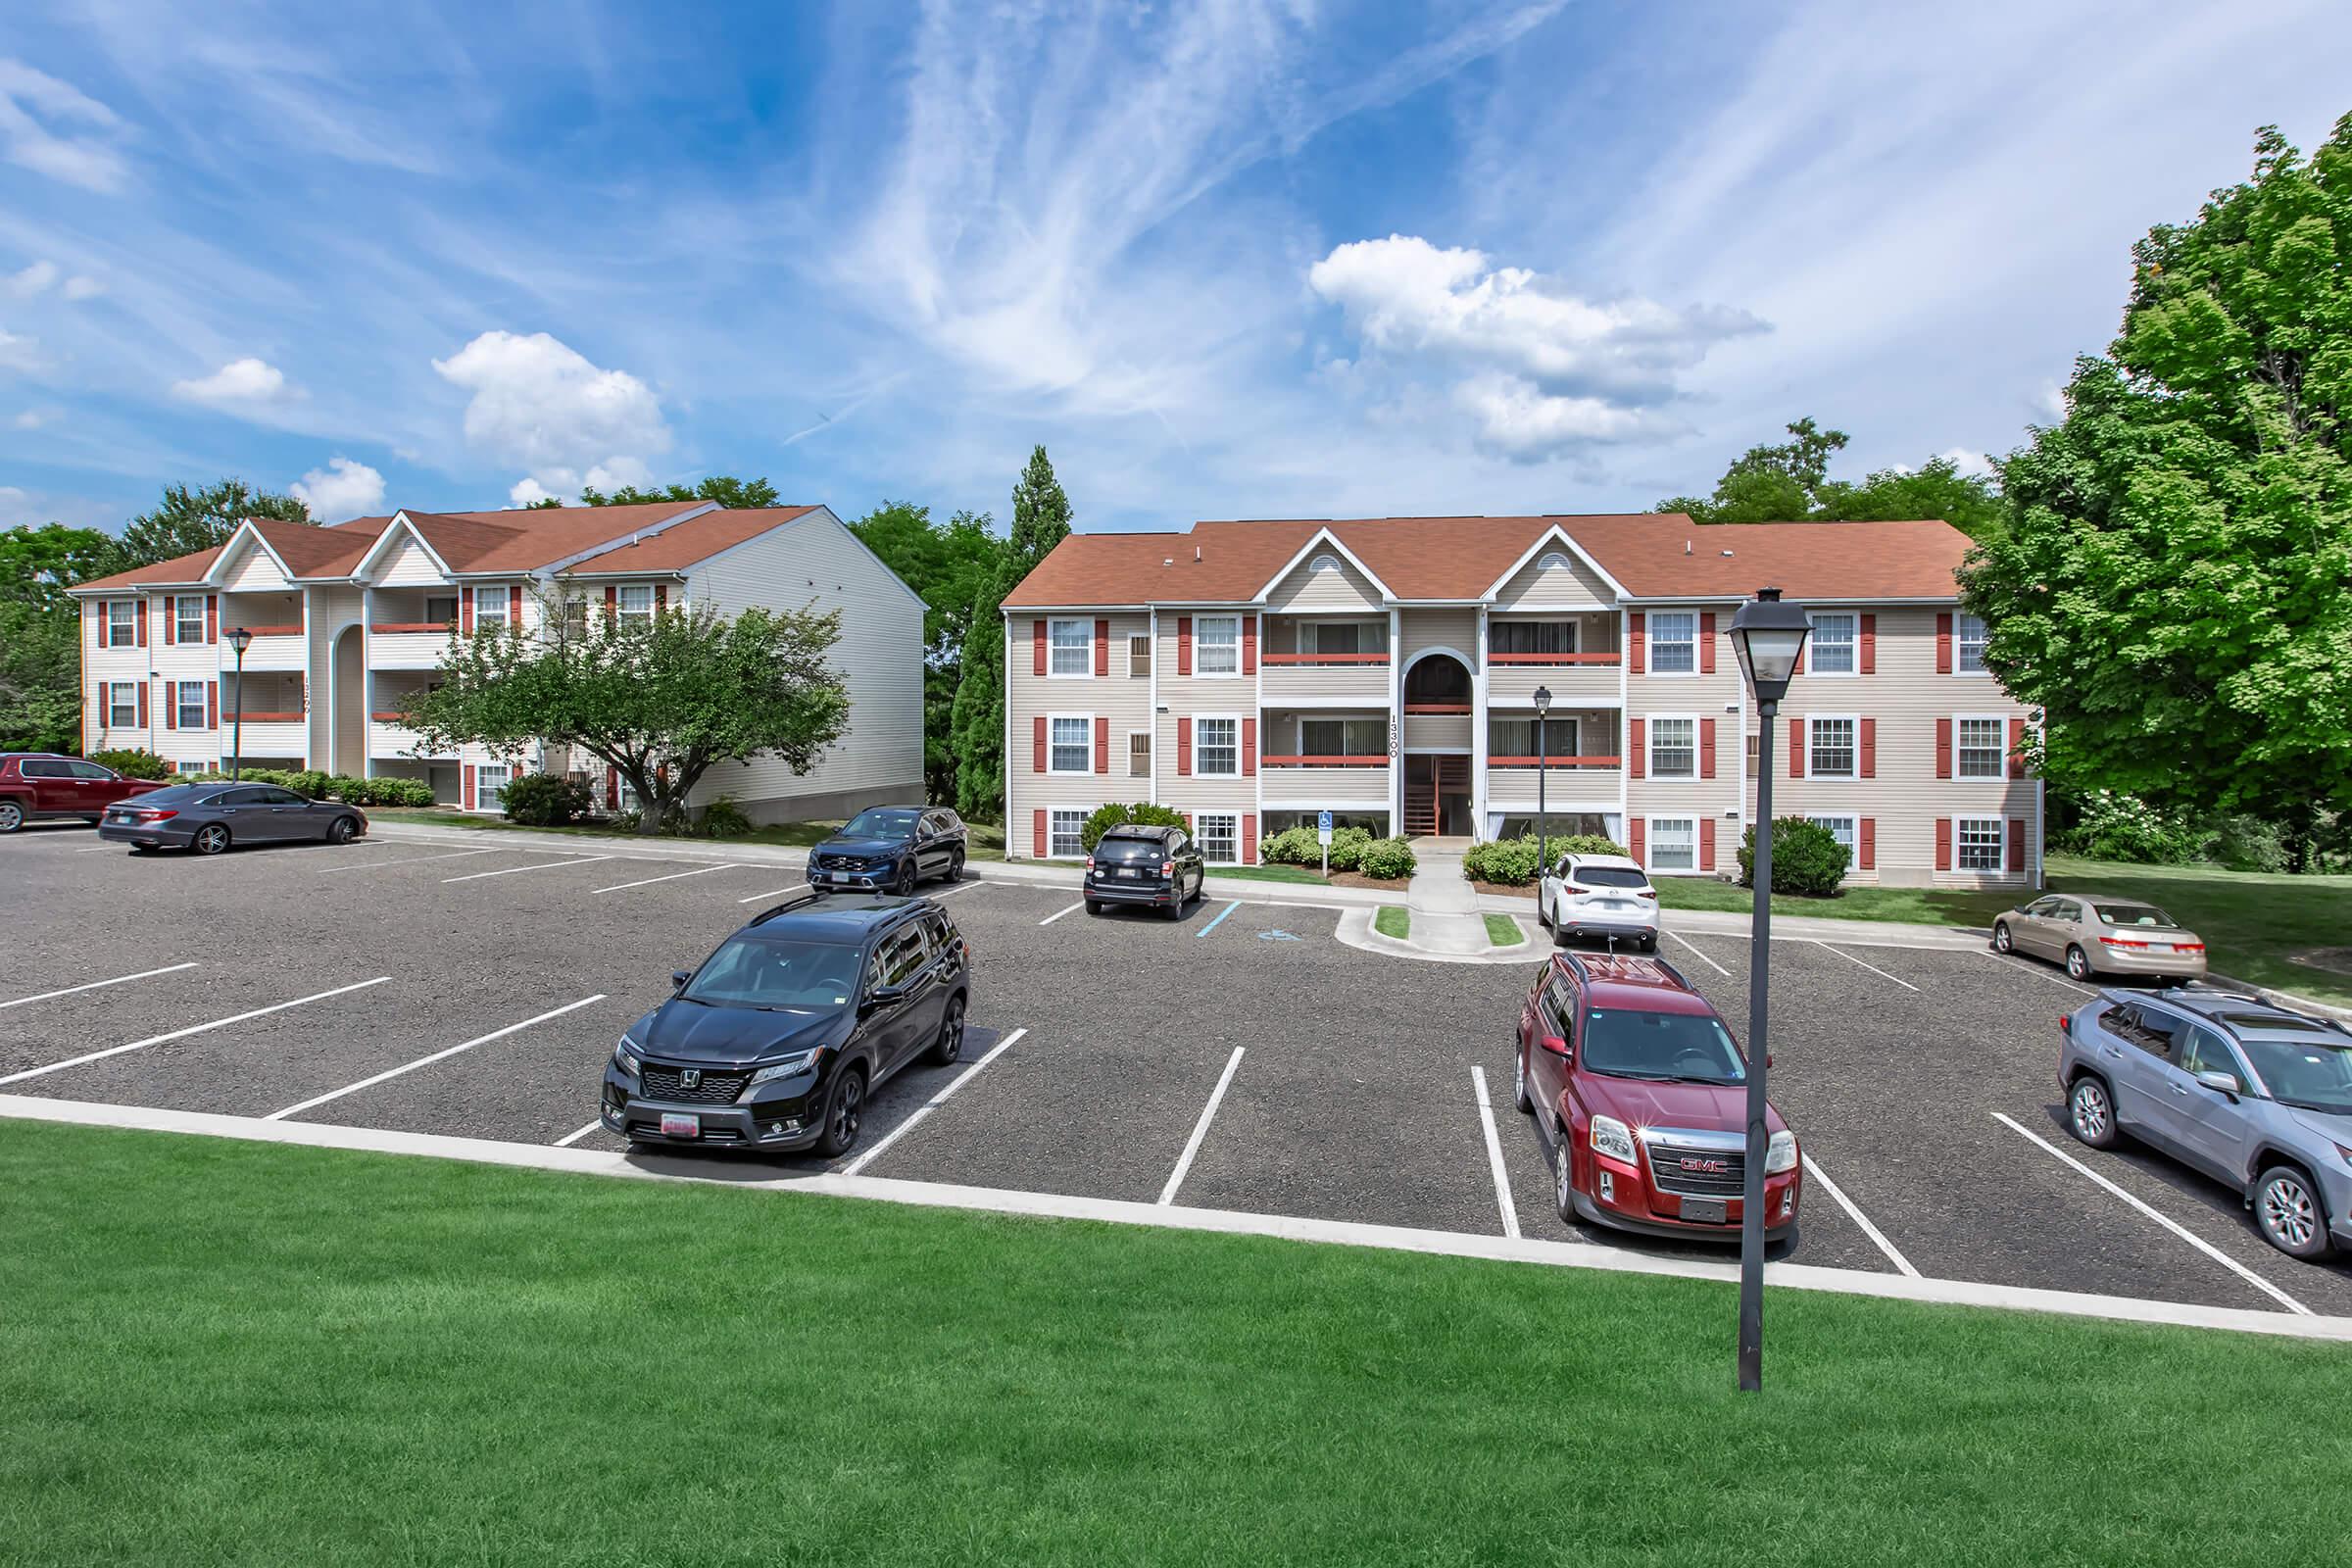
<point x="33" y="279"/>
<point x="53" y="128"/>
<point x="78" y="287"/>
<point x="1967" y="463"/>
<point x="541" y="403"/>
<point x="530" y="492"/>
<point x="1543" y="369"/>
<point x="342" y="490"/>
<point x="19" y="353"/>
<point x="29" y="419"/>
<point x="240" y="384"/>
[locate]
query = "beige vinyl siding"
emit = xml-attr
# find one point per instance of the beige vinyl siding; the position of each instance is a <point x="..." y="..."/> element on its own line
<point x="1122" y="698"/>
<point x="110" y="665"/>
<point x="816" y="561"/>
<point x="330" y="609"/>
<point x="406" y="565"/>
<point x="1419" y="630"/>
<point x="254" y="573"/>
<point x="1305" y="590"/>
<point x="1699" y="696"/>
<point x="1575" y="586"/>
<point x="183" y="663"/>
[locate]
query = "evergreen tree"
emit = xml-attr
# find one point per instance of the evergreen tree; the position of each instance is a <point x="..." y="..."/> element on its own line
<point x="1041" y="519"/>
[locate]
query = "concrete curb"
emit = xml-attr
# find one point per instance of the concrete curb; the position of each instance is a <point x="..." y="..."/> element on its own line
<point x="1046" y="1205"/>
<point x="1355" y="931"/>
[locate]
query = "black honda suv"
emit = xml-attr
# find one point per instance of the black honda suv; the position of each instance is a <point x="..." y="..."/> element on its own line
<point x="775" y="1043"/>
<point x="1160" y="867"/>
<point x="890" y="847"/>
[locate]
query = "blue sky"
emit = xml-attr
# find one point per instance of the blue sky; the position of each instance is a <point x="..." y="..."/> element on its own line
<point x="1224" y="258"/>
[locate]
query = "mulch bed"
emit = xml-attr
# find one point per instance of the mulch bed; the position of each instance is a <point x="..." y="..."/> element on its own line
<point x="1528" y="892"/>
<point x="1357" y="879"/>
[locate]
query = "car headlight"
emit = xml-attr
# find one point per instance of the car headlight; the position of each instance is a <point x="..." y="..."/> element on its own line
<point x="1781" y="1153"/>
<point x="625" y="1058"/>
<point x="1614" y="1137"/>
<point x="804" y="1061"/>
<point x="2346" y="1152"/>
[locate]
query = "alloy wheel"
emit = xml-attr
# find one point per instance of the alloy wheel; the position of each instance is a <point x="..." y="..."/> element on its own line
<point x="212" y="839"/>
<point x="2077" y="965"/>
<point x="905" y="883"/>
<point x="2289" y="1216"/>
<point x="950" y="1033"/>
<point x="849" y="1101"/>
<point x="2089" y="1104"/>
<point x="1563" y="1190"/>
<point x="2001" y="937"/>
<point x="341" y="832"/>
<point x="12" y="816"/>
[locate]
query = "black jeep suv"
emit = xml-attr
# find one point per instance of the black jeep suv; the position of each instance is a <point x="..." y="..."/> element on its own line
<point x="775" y="1044"/>
<point x="890" y="847"/>
<point x="1157" y="866"/>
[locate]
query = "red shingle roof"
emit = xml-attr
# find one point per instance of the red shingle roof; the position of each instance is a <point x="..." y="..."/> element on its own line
<point x="682" y="544"/>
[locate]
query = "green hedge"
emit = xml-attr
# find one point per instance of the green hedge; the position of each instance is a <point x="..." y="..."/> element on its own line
<point x="1301" y="846"/>
<point x="1387" y="858"/>
<point x="1116" y="814"/>
<point x="1515" y="862"/>
<point x="1806" y="857"/>
<point x="319" y="786"/>
<point x="133" y="763"/>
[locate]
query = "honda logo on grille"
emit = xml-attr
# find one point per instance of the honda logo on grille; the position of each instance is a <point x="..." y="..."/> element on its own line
<point x="691" y="1077"/>
<point x="1705" y="1167"/>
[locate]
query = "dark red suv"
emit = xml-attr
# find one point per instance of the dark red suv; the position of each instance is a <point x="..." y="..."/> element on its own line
<point x="39" y="785"/>
<point x="1645" y="1093"/>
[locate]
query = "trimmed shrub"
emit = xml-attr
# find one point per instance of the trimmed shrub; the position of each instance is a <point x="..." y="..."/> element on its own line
<point x="723" y="818"/>
<point x="1506" y="863"/>
<point x="1115" y="814"/>
<point x="312" y="785"/>
<point x="1806" y="858"/>
<point x="544" y="800"/>
<point x="2244" y="843"/>
<point x="1588" y="844"/>
<point x="1302" y="846"/>
<point x="1387" y="858"/>
<point x="2115" y="826"/>
<point x="134" y="763"/>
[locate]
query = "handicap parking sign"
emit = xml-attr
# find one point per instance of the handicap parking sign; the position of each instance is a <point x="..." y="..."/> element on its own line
<point x="1323" y="826"/>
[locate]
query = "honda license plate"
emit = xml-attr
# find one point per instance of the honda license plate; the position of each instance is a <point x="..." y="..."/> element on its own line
<point x="1129" y="872"/>
<point x="674" y="1125"/>
<point x="1704" y="1210"/>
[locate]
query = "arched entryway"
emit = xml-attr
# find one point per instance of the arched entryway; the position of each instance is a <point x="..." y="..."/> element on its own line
<point x="1437" y="682"/>
<point x="347" y="721"/>
<point x="1437" y="764"/>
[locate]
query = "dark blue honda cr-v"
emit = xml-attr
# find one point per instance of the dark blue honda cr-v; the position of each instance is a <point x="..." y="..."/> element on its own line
<point x="890" y="847"/>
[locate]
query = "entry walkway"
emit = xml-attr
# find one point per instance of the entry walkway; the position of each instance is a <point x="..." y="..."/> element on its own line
<point x="1445" y="906"/>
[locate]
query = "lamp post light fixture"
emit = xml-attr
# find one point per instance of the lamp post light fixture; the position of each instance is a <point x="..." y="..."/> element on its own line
<point x="240" y="639"/>
<point x="1767" y="636"/>
<point x="1543" y="765"/>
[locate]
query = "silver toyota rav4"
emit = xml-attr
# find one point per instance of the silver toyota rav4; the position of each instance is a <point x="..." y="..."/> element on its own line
<point x="2248" y="1093"/>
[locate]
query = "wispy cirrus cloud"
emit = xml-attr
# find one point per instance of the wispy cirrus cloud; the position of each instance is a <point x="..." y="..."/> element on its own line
<point x="54" y="129"/>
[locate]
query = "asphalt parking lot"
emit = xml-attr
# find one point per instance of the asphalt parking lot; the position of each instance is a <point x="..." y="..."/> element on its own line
<point x="1240" y="1059"/>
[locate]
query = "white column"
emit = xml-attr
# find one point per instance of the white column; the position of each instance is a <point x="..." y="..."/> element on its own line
<point x="366" y="681"/>
<point x="1478" y="730"/>
<point x="1396" y="725"/>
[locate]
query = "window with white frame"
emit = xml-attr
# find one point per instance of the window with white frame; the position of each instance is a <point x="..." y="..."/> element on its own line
<point x="1969" y="632"/>
<point x="1139" y="656"/>
<point x="1072" y="748"/>
<point x="187" y="617"/>
<point x="1065" y="834"/>
<point x="1831" y="649"/>
<point x="1220" y="836"/>
<point x="1324" y="564"/>
<point x="1982" y="747"/>
<point x="635" y="601"/>
<point x="1342" y="638"/>
<point x="1674" y="748"/>
<point x="1673" y="643"/>
<point x="1978" y="843"/>
<point x="1069" y="648"/>
<point x="1841" y="828"/>
<point x="192" y="767"/>
<point x="440" y="609"/>
<point x="1139" y="754"/>
<point x="1829" y="748"/>
<point x="1343" y="736"/>
<point x="1552" y="562"/>
<point x="490" y="778"/>
<point x="122" y="704"/>
<point x="1218" y="746"/>
<point x="1674" y="844"/>
<point x="190" y="704"/>
<point x="490" y="607"/>
<point x="1217" y="644"/>
<point x="121" y="622"/>
<point x="1531" y="637"/>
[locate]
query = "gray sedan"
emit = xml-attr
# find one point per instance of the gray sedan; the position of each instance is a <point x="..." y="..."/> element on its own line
<point x="210" y="817"/>
<point x="2093" y="935"/>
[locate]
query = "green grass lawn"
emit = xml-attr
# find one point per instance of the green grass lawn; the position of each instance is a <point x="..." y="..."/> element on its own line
<point x="215" y="1353"/>
<point x="1392" y="920"/>
<point x="1504" y="931"/>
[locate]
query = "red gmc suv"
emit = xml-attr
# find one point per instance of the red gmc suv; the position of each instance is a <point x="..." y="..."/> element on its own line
<point x="1645" y="1093"/>
<point x="34" y="785"/>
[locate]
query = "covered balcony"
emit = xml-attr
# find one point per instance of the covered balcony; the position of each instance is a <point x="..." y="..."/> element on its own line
<point x="1577" y="755"/>
<point x="1325" y="658"/>
<point x="275" y="621"/>
<point x="389" y="737"/>
<point x="409" y="628"/>
<point x="1310" y="760"/>
<point x="1574" y="656"/>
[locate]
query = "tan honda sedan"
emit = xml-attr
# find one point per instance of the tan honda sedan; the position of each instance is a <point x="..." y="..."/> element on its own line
<point x="2092" y="935"/>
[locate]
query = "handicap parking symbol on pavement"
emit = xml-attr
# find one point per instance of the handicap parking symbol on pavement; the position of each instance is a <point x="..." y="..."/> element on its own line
<point x="1276" y="936"/>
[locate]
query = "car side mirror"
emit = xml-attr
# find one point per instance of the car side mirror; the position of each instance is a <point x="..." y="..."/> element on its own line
<point x="2221" y="1083"/>
<point x="678" y="978"/>
<point x="1557" y="1047"/>
<point x="882" y="997"/>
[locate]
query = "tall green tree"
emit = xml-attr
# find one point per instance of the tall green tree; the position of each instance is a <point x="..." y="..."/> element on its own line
<point x="1789" y="482"/>
<point x="2175" y="589"/>
<point x="189" y="520"/>
<point x="40" y="699"/>
<point x="736" y="495"/>
<point x="1041" y="519"/>
<point x="38" y="564"/>
<point x="948" y="564"/>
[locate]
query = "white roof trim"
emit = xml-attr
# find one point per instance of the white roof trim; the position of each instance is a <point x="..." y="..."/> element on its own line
<point x="1555" y="531"/>
<point x="658" y="526"/>
<point x="213" y="576"/>
<point x="1323" y="535"/>
<point x="820" y="512"/>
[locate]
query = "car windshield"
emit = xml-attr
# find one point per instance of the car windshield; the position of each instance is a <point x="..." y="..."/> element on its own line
<point x="2305" y="1073"/>
<point x="879" y="824"/>
<point x="1127" y="850"/>
<point x="1674" y="1047"/>
<point x="796" y="976"/>
<point x="1610" y="877"/>
<point x="2132" y="914"/>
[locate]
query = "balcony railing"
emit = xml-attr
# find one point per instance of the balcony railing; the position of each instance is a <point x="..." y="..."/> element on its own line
<point x="260" y="717"/>
<point x="1323" y="761"/>
<point x="1295" y="660"/>
<point x="1609" y="658"/>
<point x="1567" y="764"/>
<point x="1436" y="708"/>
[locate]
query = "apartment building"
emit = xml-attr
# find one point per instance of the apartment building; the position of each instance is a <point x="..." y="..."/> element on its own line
<point x="1254" y="674"/>
<point x="349" y="622"/>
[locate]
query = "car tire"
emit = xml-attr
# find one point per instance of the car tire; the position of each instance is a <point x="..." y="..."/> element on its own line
<point x="2000" y="937"/>
<point x="844" y="1113"/>
<point x="1092" y="907"/>
<point x="2293" y="1219"/>
<point x="955" y="866"/>
<point x="1519" y="1094"/>
<point x="12" y="816"/>
<point x="2077" y="964"/>
<point x="903" y="885"/>
<point x="2090" y="1111"/>
<point x="1543" y="909"/>
<point x="342" y="830"/>
<point x="1649" y="943"/>
<point x="949" y="1044"/>
<point x="1563" y="1185"/>
<point x="1175" y="907"/>
<point x="210" y="839"/>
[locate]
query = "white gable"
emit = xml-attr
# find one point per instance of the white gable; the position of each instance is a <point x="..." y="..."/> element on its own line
<point x="405" y="561"/>
<point x="252" y="569"/>
<point x="1557" y="579"/>
<point x="1324" y="580"/>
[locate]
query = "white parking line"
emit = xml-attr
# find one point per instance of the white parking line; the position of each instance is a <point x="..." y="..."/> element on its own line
<point x="700" y="870"/>
<point x="1192" y="1145"/>
<point x="569" y="1139"/>
<point x="797" y="887"/>
<point x="1702" y="958"/>
<point x="98" y="985"/>
<point x="426" y="1061"/>
<point x="2008" y="963"/>
<point x="1502" y="1180"/>
<point x="2169" y="1224"/>
<point x="948" y="893"/>
<point x="192" y="1029"/>
<point x="931" y="1105"/>
<point x="1872" y="967"/>
<point x="92" y="849"/>
<point x="413" y="859"/>
<point x="1901" y="1263"/>
<point x="1058" y="913"/>
<point x="543" y="865"/>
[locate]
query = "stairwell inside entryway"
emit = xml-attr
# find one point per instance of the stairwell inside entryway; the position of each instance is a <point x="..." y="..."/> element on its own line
<point x="1437" y="795"/>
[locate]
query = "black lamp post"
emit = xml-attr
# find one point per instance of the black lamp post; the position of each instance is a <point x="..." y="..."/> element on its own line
<point x="1767" y="635"/>
<point x="1543" y="765"/>
<point x="240" y="639"/>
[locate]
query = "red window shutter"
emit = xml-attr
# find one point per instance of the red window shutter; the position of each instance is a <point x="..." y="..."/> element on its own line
<point x="171" y="698"/>
<point x="514" y="605"/>
<point x="1102" y="743"/>
<point x="1102" y="645"/>
<point x="1943" y="642"/>
<point x="1706" y="754"/>
<point x="1037" y="744"/>
<point x="1248" y="838"/>
<point x="1183" y="747"/>
<point x="1248" y="647"/>
<point x="1635" y="640"/>
<point x="142" y="705"/>
<point x="1037" y="831"/>
<point x="1188" y="820"/>
<point x="1037" y="648"/>
<point x="468" y="798"/>
<point x="1184" y="644"/>
<point x="1706" y="645"/>
<point x="1870" y="747"/>
<point x="2017" y="845"/>
<point x="1943" y="844"/>
<point x="612" y="788"/>
<point x="1249" y="748"/>
<point x="613" y="602"/>
<point x="1638" y="835"/>
<point x="142" y="626"/>
<point x="211" y="618"/>
<point x="1870" y="645"/>
<point x="1796" y="748"/>
<point x="2017" y="748"/>
<point x="1866" y="842"/>
<point x="1707" y="844"/>
<point x="171" y="622"/>
<point x="212" y="705"/>
<point x="466" y="625"/>
<point x="661" y="601"/>
<point x="1637" y="751"/>
<point x="1944" y="747"/>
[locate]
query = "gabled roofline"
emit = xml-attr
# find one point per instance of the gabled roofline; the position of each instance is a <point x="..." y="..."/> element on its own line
<point x="215" y="578"/>
<point x="399" y="520"/>
<point x="658" y="525"/>
<point x="1550" y="531"/>
<point x="813" y="513"/>
<point x="1322" y="533"/>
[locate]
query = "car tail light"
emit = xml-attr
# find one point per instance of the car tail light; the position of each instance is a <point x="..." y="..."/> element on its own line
<point x="149" y="814"/>
<point x="2188" y="946"/>
<point x="1167" y="869"/>
<point x="2121" y="942"/>
<point x="1089" y="862"/>
<point x="2066" y="1023"/>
